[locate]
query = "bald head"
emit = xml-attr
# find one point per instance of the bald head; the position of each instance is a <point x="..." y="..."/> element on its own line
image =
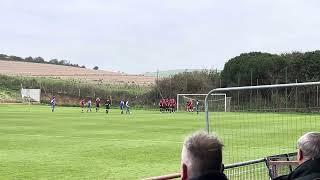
<point x="202" y="153"/>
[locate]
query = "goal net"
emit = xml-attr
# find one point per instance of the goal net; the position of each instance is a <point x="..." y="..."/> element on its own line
<point x="264" y="120"/>
<point x="218" y="102"/>
<point x="30" y="95"/>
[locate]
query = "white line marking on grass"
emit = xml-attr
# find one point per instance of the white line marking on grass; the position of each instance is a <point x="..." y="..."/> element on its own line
<point x="106" y="139"/>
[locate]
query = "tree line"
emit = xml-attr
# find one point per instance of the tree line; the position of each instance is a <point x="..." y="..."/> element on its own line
<point x="70" y="91"/>
<point x="186" y="82"/>
<point x="254" y="68"/>
<point x="258" y="68"/>
<point x="39" y="60"/>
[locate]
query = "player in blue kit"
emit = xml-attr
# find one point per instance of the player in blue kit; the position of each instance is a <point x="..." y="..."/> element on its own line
<point x="127" y="107"/>
<point x="197" y="106"/>
<point x="89" y="104"/>
<point x="121" y="106"/>
<point x="53" y="103"/>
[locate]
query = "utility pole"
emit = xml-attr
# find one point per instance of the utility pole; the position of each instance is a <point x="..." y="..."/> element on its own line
<point x="186" y="80"/>
<point x="251" y="85"/>
<point x="170" y="88"/>
<point x="286" y="88"/>
<point x="157" y="77"/>
<point x="157" y="82"/>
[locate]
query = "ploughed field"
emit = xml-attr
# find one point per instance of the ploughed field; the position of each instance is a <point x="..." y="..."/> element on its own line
<point x="67" y="72"/>
<point x="67" y="144"/>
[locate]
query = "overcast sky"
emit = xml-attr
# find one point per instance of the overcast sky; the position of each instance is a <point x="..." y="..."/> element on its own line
<point x="136" y="36"/>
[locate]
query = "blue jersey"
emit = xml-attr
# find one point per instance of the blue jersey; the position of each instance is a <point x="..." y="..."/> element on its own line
<point x="121" y="104"/>
<point x="53" y="101"/>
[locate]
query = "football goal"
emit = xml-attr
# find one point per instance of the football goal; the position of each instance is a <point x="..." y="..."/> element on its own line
<point x="218" y="101"/>
<point x="30" y="95"/>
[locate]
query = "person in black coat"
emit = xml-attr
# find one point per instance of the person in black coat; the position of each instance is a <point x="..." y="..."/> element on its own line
<point x="214" y="175"/>
<point x="308" y="157"/>
<point x="201" y="158"/>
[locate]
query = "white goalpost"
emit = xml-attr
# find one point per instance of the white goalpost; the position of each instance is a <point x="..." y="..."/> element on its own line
<point x="181" y="98"/>
<point x="30" y="95"/>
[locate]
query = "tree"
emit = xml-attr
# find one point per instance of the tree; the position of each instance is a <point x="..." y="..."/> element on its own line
<point x="16" y="58"/>
<point x="54" y="61"/>
<point x="62" y="62"/>
<point x="96" y="68"/>
<point x="39" y="60"/>
<point x="29" y="59"/>
<point x="186" y="82"/>
<point x="245" y="69"/>
<point x="3" y="56"/>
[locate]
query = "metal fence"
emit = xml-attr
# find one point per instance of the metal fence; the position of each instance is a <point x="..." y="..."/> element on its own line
<point x="255" y="170"/>
<point x="263" y="120"/>
<point x="282" y="164"/>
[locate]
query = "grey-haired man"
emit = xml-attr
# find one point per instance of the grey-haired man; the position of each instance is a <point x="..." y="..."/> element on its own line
<point x="201" y="158"/>
<point x="308" y="157"/>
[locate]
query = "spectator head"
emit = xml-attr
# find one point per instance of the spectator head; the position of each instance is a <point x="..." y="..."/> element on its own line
<point x="308" y="147"/>
<point x="201" y="154"/>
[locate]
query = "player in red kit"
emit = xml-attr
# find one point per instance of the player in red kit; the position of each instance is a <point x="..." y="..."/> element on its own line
<point x="82" y="102"/>
<point x="97" y="104"/>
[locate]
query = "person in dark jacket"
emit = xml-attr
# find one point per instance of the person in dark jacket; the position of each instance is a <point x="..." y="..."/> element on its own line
<point x="308" y="157"/>
<point x="201" y="158"/>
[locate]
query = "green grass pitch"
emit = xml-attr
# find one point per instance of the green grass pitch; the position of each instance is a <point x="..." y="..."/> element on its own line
<point x="68" y="144"/>
<point x="249" y="136"/>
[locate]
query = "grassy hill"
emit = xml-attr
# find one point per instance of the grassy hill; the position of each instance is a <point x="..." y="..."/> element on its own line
<point x="70" y="91"/>
<point x="68" y="72"/>
<point x="169" y="72"/>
